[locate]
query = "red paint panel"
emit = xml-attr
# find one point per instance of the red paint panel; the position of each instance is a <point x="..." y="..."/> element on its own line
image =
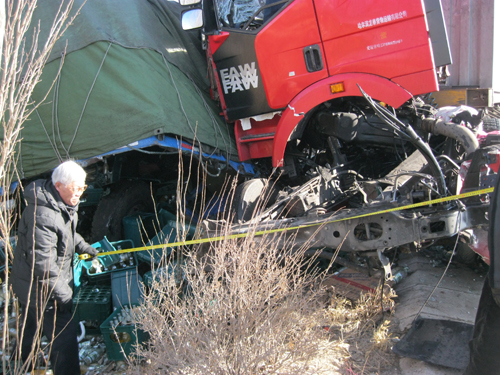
<point x="215" y="41"/>
<point x="419" y="83"/>
<point x="390" y="51"/>
<point x="339" y="18"/>
<point x="255" y="150"/>
<point x="256" y="142"/>
<point x="279" y="47"/>
<point x="386" y="38"/>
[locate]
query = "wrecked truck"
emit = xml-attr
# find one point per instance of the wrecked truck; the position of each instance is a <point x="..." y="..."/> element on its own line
<point x="328" y="95"/>
<point x="322" y="98"/>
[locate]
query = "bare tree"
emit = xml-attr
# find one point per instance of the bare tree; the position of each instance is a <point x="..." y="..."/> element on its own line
<point x="23" y="57"/>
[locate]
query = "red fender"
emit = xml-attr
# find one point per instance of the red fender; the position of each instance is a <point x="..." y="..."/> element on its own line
<point x="377" y="87"/>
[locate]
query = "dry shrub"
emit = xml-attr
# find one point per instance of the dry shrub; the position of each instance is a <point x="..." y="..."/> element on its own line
<point x="245" y="307"/>
<point x="249" y="306"/>
<point x="364" y="328"/>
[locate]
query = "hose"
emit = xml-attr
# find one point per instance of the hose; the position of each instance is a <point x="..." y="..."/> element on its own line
<point x="406" y="132"/>
<point x="460" y="133"/>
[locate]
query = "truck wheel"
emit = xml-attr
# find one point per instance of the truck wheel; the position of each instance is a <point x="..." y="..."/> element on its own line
<point x="249" y="196"/>
<point x="129" y="198"/>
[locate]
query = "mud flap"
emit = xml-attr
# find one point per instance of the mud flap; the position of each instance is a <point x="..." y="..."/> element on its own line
<point x="440" y="342"/>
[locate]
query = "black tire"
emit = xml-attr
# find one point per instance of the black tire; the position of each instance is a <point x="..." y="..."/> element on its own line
<point x="129" y="198"/>
<point x="249" y="196"/>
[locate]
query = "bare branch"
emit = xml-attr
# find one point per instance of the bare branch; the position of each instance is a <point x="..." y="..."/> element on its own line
<point x="21" y="69"/>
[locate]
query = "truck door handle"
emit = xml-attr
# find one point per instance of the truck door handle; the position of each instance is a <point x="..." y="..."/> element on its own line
<point x="312" y="56"/>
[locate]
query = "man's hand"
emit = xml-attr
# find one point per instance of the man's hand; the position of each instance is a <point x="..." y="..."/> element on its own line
<point x="90" y="256"/>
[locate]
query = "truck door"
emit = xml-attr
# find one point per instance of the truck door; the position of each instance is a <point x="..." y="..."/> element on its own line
<point x="260" y="64"/>
<point x="239" y="76"/>
<point x="388" y="38"/>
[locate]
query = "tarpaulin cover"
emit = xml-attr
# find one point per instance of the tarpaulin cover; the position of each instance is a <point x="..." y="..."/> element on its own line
<point x="129" y="72"/>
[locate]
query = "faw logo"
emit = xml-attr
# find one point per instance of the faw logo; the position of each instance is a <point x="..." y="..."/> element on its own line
<point x="239" y="79"/>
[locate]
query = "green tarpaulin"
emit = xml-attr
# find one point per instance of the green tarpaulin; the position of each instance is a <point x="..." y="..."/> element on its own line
<point x="129" y="72"/>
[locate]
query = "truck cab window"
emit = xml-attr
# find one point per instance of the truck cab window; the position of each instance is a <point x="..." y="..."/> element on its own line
<point x="245" y="14"/>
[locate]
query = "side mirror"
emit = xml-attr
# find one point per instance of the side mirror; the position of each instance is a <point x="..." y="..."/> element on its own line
<point x="192" y="19"/>
<point x="189" y="2"/>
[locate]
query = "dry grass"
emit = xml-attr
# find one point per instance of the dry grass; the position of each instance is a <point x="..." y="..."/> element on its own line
<point x="364" y="329"/>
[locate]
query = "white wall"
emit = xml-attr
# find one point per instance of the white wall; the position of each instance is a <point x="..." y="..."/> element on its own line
<point x="474" y="42"/>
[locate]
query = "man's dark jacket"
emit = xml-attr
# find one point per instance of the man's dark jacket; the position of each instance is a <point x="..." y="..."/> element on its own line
<point x="46" y="245"/>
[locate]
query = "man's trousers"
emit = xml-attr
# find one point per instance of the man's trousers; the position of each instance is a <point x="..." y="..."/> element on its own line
<point x="61" y="332"/>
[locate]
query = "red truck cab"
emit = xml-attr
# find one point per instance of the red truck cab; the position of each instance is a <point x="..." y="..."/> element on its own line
<point x="274" y="63"/>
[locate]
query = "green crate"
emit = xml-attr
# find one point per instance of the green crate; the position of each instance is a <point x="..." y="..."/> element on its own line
<point x="97" y="279"/>
<point x="168" y="234"/>
<point x="120" y="340"/>
<point x="92" y="303"/>
<point x="139" y="228"/>
<point x="126" y="287"/>
<point x="166" y="272"/>
<point x="110" y="263"/>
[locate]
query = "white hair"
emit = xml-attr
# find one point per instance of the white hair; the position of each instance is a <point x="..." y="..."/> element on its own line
<point x="69" y="172"/>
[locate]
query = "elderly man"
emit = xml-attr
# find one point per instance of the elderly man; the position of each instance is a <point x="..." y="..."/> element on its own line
<point x="42" y="270"/>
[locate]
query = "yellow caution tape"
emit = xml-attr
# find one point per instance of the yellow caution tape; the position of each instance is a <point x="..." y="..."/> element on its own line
<point x="270" y="231"/>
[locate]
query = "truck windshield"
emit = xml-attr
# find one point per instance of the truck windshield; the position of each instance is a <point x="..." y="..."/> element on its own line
<point x="245" y="13"/>
<point x="234" y="13"/>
